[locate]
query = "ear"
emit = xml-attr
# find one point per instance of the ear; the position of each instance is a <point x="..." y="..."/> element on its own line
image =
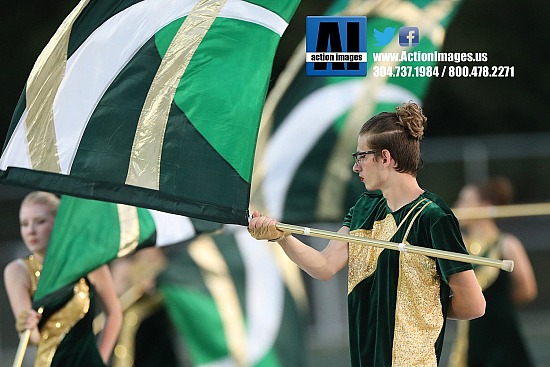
<point x="386" y="156"/>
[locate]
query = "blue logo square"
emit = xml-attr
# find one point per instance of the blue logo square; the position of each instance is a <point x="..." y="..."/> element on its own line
<point x="409" y="36"/>
<point x="336" y="46"/>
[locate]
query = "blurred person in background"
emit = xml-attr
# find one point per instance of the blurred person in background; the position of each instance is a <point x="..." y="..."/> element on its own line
<point x="65" y="338"/>
<point x="147" y="337"/>
<point x="398" y="302"/>
<point x="495" y="339"/>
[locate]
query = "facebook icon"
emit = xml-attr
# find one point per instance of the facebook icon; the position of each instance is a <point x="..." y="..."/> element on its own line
<point x="409" y="36"/>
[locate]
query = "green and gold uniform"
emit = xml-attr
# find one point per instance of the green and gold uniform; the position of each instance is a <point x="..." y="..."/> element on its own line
<point x="397" y="301"/>
<point x="66" y="335"/>
<point x="493" y="340"/>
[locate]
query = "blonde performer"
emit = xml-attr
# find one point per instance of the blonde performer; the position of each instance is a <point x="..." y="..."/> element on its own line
<point x="64" y="338"/>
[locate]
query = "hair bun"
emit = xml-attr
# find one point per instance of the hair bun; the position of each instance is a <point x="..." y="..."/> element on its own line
<point x="412" y="118"/>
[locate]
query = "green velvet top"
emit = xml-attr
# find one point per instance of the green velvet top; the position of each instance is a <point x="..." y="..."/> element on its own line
<point x="397" y="301"/>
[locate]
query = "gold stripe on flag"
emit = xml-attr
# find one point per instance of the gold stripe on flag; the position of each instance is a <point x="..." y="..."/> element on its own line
<point x="42" y="86"/>
<point x="129" y="229"/>
<point x="145" y="158"/>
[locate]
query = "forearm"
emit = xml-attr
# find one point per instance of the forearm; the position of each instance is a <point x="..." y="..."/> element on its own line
<point x="457" y="311"/>
<point x="467" y="301"/>
<point x="465" y="310"/>
<point x="109" y="338"/>
<point x="320" y="265"/>
<point x="103" y="282"/>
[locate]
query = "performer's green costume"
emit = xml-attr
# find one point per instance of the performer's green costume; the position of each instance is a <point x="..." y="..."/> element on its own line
<point x="397" y="301"/>
<point x="66" y="336"/>
<point x="493" y="340"/>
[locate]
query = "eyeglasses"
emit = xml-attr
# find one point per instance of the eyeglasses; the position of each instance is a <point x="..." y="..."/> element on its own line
<point x="358" y="156"/>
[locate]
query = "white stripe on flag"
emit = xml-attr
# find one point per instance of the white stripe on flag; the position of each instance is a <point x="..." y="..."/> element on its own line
<point x="302" y="129"/>
<point x="17" y="152"/>
<point x="97" y="62"/>
<point x="171" y="228"/>
<point x="238" y="9"/>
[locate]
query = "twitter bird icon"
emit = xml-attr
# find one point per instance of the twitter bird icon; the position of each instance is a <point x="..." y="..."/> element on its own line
<point x="383" y="38"/>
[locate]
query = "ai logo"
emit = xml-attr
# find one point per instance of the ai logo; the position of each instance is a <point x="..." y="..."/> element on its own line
<point x="336" y="46"/>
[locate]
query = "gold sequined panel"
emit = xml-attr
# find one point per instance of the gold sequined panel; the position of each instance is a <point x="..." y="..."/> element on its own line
<point x="34" y="269"/>
<point x="362" y="259"/>
<point x="418" y="315"/>
<point x="61" y="322"/>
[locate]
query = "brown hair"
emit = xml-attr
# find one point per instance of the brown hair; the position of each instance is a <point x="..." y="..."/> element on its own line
<point x="42" y="197"/>
<point x="496" y="191"/>
<point x="399" y="132"/>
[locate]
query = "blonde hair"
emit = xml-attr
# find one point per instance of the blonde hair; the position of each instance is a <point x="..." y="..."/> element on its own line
<point x="42" y="197"/>
<point x="399" y="132"/>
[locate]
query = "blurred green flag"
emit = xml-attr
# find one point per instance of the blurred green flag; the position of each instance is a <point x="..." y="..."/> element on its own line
<point x="235" y="303"/>
<point x="310" y="125"/>
<point x="90" y="233"/>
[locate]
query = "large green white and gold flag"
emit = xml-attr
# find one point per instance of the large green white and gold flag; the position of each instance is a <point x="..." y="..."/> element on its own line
<point x="152" y="103"/>
<point x="310" y="124"/>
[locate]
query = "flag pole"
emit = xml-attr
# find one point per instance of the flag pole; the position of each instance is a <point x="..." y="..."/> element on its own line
<point x="502" y="211"/>
<point x="506" y="265"/>
<point x="21" y="348"/>
<point x="23" y="343"/>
